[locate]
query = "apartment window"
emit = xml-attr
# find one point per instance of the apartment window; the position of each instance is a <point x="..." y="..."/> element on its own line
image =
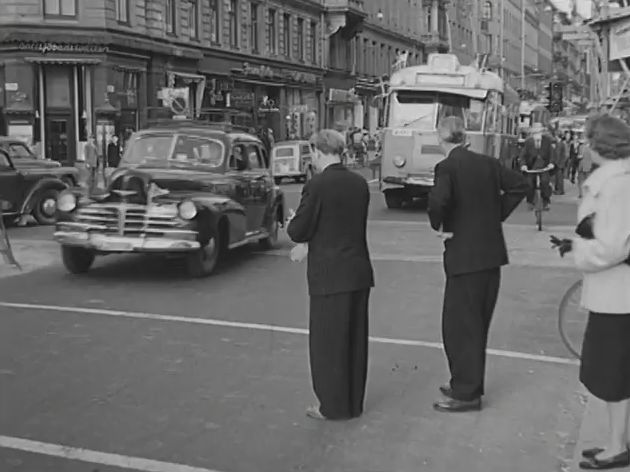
<point x="232" y="15"/>
<point x="286" y="23"/>
<point x="193" y="19"/>
<point x="272" y="32"/>
<point x="253" y="32"/>
<point x="313" y="39"/>
<point x="300" y="38"/>
<point x="487" y="10"/>
<point x="67" y="8"/>
<point x="122" y="11"/>
<point x="214" y="21"/>
<point x="169" y="16"/>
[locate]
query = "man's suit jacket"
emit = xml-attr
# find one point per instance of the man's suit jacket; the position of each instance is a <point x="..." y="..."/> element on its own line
<point x="529" y="153"/>
<point x="473" y="194"/>
<point x="332" y="219"/>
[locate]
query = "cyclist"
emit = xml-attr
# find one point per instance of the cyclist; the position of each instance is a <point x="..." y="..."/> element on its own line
<point x="538" y="153"/>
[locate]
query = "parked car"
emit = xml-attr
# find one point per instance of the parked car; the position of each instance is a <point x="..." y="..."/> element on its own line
<point x="23" y="157"/>
<point x="32" y="189"/>
<point x="292" y="159"/>
<point x="187" y="189"/>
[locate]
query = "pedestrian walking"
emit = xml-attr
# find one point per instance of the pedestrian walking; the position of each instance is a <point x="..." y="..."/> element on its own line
<point x="601" y="253"/>
<point x="538" y="153"/>
<point x="330" y="229"/>
<point x="91" y="162"/>
<point x="561" y="162"/>
<point x="473" y="194"/>
<point x="584" y="168"/>
<point x="113" y="153"/>
<point x="574" y="149"/>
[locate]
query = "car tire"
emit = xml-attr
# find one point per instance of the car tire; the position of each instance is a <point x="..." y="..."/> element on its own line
<point x="45" y="208"/>
<point x="270" y="241"/>
<point x="394" y="200"/>
<point x="203" y="261"/>
<point x="77" y="260"/>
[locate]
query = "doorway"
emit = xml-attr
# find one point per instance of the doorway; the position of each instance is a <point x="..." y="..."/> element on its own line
<point x="59" y="130"/>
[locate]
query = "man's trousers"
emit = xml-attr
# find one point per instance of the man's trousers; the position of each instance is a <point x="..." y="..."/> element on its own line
<point x="469" y="301"/>
<point x="559" y="177"/>
<point x="338" y="345"/>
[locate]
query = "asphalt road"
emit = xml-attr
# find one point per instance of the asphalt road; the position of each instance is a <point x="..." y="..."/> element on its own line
<point x="134" y="367"/>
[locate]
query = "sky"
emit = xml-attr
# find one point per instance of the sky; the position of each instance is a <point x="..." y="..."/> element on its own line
<point x="583" y="6"/>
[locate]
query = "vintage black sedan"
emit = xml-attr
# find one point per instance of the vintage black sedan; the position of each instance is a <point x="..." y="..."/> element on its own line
<point x="31" y="187"/>
<point x="186" y="189"/>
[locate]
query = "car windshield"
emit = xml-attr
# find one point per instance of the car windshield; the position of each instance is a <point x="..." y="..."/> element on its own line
<point x="20" y="151"/>
<point x="285" y="152"/>
<point x="174" y="150"/>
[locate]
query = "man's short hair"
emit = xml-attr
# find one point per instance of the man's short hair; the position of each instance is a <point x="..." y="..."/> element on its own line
<point x="328" y="141"/>
<point x="452" y="130"/>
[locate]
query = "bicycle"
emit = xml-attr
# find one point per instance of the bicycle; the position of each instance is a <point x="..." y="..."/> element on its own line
<point x="572" y="319"/>
<point x="538" y="201"/>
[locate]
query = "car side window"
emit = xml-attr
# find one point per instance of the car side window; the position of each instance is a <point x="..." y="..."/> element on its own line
<point x="4" y="160"/>
<point x="254" y="157"/>
<point x="238" y="157"/>
<point x="265" y="157"/>
<point x="306" y="150"/>
<point x="19" y="150"/>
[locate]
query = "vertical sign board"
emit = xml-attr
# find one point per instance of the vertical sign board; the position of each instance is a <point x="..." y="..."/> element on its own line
<point x="619" y="40"/>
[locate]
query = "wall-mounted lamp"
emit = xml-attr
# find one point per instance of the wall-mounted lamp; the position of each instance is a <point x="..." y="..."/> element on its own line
<point x="379" y="15"/>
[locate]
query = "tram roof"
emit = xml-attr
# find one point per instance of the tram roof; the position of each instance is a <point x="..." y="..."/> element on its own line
<point x="444" y="73"/>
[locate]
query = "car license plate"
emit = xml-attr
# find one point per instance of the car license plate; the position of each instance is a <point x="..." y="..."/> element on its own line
<point x="104" y="244"/>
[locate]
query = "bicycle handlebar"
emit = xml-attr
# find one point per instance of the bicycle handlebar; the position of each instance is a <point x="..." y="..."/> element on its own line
<point x="539" y="171"/>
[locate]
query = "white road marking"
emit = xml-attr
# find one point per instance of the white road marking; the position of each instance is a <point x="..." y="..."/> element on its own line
<point x="267" y="327"/>
<point x="95" y="457"/>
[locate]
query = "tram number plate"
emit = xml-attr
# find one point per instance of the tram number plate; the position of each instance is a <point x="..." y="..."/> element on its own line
<point x="402" y="132"/>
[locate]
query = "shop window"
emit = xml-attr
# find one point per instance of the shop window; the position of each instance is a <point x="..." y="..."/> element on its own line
<point x="214" y="21"/>
<point x="170" y="15"/>
<point x="193" y="19"/>
<point x="253" y="32"/>
<point x="271" y="32"/>
<point x="286" y="31"/>
<point x="57" y="87"/>
<point x="65" y="8"/>
<point x="122" y="11"/>
<point x="313" y="42"/>
<point x="233" y="21"/>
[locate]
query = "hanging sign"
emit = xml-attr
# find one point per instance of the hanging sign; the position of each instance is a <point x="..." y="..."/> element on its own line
<point x="619" y="38"/>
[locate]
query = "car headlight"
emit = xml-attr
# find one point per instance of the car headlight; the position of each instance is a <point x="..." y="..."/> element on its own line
<point x="66" y="201"/>
<point x="187" y="210"/>
<point x="399" y="161"/>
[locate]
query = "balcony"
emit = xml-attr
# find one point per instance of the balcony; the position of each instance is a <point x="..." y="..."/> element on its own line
<point x="434" y="42"/>
<point x="345" y="17"/>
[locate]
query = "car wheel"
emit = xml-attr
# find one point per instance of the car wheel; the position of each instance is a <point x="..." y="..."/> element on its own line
<point x="203" y="261"/>
<point x="394" y="200"/>
<point x="77" y="260"/>
<point x="270" y="241"/>
<point x="45" y="209"/>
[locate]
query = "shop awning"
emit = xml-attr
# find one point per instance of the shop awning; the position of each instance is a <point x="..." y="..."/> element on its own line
<point x="64" y="60"/>
<point x="188" y="76"/>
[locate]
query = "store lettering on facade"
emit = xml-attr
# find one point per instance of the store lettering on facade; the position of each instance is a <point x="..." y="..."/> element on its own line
<point x="45" y="47"/>
<point x="266" y="72"/>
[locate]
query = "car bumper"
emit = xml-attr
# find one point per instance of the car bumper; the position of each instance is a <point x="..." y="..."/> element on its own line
<point x="113" y="243"/>
<point x="411" y="181"/>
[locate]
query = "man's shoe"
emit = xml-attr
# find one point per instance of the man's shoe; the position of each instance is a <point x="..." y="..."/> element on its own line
<point x="616" y="462"/>
<point x="452" y="406"/>
<point x="446" y="390"/>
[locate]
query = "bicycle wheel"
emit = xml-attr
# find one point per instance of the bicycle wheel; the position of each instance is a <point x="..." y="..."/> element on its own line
<point x="572" y="319"/>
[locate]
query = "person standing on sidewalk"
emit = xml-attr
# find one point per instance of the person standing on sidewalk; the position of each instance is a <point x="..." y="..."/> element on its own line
<point x="473" y="194"/>
<point x="330" y="227"/>
<point x="602" y="252"/>
<point x="562" y="160"/>
<point x="91" y="162"/>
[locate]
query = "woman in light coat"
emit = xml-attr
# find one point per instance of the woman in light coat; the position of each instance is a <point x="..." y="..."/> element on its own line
<point x="601" y="253"/>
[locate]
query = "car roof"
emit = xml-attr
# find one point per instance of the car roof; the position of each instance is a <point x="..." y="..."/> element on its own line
<point x="8" y="139"/>
<point x="292" y="143"/>
<point x="203" y="130"/>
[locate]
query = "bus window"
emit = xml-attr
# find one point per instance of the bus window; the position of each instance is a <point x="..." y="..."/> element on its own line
<point x="412" y="109"/>
<point x="474" y="116"/>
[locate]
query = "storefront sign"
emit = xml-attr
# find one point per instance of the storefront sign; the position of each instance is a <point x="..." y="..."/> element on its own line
<point x="46" y="47"/>
<point x="266" y="72"/>
<point x="11" y="87"/>
<point x="343" y="96"/>
<point x="619" y="40"/>
<point x="268" y="105"/>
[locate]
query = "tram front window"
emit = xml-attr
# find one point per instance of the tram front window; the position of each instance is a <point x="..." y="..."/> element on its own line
<point x="423" y="110"/>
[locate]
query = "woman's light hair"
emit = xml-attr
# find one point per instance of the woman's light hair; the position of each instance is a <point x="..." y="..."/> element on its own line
<point x="328" y="141"/>
<point x="608" y="136"/>
<point x="452" y="130"/>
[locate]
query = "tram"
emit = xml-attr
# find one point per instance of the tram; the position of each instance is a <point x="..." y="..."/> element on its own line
<point x="418" y="98"/>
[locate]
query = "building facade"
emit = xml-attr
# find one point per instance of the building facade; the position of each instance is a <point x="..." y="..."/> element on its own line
<point x="75" y="68"/>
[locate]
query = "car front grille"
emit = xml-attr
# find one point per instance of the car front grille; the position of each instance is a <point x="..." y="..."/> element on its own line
<point x="130" y="219"/>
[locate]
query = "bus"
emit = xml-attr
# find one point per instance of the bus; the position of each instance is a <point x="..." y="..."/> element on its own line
<point x="418" y="98"/>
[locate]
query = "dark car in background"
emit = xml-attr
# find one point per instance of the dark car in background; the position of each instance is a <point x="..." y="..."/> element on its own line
<point x="187" y="189"/>
<point x="31" y="186"/>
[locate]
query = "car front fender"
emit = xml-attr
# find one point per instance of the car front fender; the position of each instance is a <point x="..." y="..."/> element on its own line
<point x="41" y="185"/>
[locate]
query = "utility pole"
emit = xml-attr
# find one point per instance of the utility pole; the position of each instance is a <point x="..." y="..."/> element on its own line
<point x="523" y="8"/>
<point x="501" y="40"/>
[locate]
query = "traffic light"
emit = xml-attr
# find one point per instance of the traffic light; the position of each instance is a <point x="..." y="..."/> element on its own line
<point x="548" y="93"/>
<point x="554" y="94"/>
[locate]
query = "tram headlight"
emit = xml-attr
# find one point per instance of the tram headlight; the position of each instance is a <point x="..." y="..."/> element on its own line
<point x="399" y="161"/>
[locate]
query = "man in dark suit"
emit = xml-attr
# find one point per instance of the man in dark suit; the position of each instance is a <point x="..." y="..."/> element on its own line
<point x="538" y="153"/>
<point x="473" y="194"/>
<point x="332" y="219"/>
